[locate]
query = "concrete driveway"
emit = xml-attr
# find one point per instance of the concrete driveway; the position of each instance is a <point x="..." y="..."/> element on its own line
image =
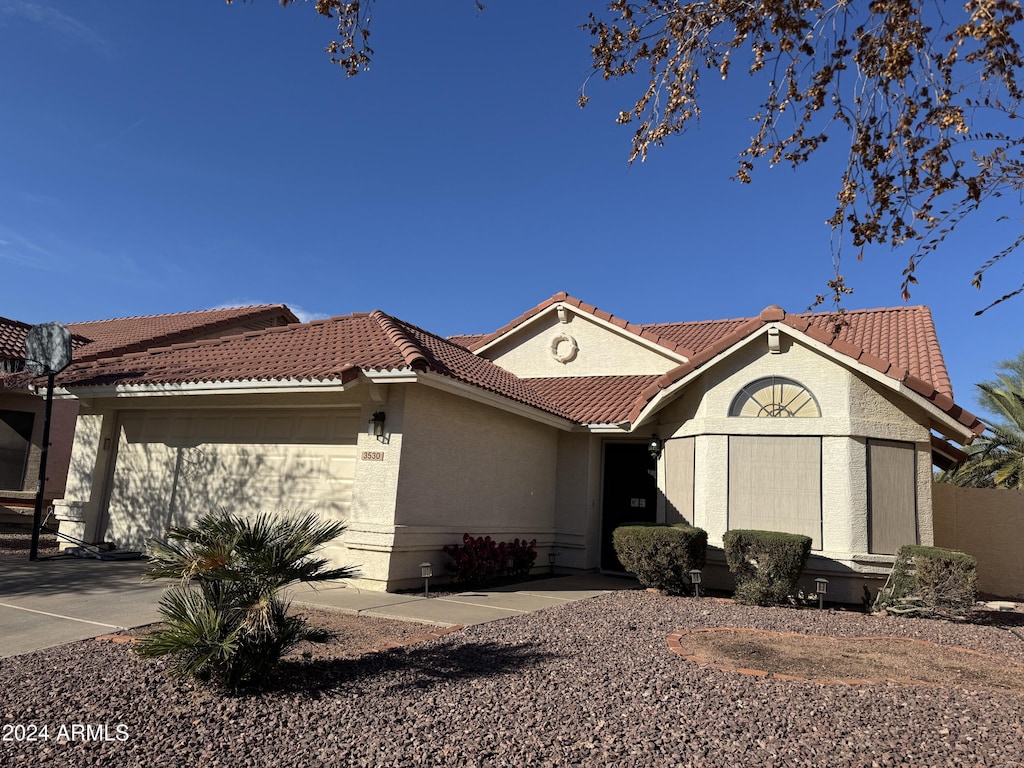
<point x="50" y="602"/>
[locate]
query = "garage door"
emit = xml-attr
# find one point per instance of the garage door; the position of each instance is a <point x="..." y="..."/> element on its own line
<point x="173" y="466"/>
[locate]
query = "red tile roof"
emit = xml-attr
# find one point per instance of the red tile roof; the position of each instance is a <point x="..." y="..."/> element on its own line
<point x="593" y="399"/>
<point x="647" y="332"/>
<point x="324" y="350"/>
<point x="920" y="349"/>
<point x="899" y="343"/>
<point x="903" y="336"/>
<point x="133" y="334"/>
<point x="12" y="339"/>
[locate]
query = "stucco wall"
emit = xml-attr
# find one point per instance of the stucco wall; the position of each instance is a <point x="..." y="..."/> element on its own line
<point x="468" y="468"/>
<point x="852" y="407"/>
<point x="62" y="431"/>
<point x="602" y="351"/>
<point x="989" y="524"/>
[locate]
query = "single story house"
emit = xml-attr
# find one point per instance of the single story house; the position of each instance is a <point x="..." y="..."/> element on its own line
<point x="22" y="411"/>
<point x="559" y="426"/>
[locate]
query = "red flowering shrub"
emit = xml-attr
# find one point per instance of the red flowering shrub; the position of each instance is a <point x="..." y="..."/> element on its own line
<point x="481" y="559"/>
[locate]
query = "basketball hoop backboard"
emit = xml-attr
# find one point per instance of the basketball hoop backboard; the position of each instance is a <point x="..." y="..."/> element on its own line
<point x="47" y="348"/>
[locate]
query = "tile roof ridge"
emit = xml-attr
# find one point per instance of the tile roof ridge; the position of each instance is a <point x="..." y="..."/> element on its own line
<point x="13" y="322"/>
<point x="244" y="309"/>
<point x="562" y="297"/>
<point x="197" y="343"/>
<point x="517" y="321"/>
<point x="164" y="339"/>
<point x="409" y="348"/>
<point x="802" y="323"/>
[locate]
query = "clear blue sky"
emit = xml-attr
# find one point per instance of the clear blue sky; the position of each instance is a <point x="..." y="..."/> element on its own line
<point x="161" y="157"/>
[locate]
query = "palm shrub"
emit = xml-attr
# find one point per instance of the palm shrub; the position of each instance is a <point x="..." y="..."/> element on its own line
<point x="661" y="556"/>
<point x="765" y="564"/>
<point x="227" y="618"/>
<point x="996" y="459"/>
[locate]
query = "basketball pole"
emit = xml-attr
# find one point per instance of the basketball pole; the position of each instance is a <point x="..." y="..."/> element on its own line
<point x="37" y="519"/>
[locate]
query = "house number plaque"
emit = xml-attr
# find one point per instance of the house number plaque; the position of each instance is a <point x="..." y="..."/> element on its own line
<point x="372" y="456"/>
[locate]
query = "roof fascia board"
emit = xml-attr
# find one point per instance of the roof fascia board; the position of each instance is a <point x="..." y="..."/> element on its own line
<point x="205" y="388"/>
<point x="394" y="376"/>
<point x="608" y="326"/>
<point x="953" y="428"/>
<point x="470" y="392"/>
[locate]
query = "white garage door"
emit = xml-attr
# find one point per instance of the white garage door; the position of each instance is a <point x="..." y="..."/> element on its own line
<point x="173" y="466"/>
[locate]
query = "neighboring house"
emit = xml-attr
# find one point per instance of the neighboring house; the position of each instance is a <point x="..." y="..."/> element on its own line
<point x="22" y="409"/>
<point x="542" y="429"/>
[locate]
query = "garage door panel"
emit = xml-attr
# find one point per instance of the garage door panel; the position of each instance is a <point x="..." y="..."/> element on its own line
<point x="172" y="467"/>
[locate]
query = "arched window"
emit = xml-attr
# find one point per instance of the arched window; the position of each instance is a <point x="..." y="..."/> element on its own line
<point x="774" y="397"/>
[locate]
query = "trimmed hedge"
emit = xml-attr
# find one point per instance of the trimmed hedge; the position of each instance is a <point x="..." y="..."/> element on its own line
<point x="765" y="564"/>
<point x="661" y="556"/>
<point x="930" y="581"/>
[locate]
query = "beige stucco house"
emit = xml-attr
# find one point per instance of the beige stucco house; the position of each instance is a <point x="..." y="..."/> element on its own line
<point x="22" y="410"/>
<point x="543" y="429"/>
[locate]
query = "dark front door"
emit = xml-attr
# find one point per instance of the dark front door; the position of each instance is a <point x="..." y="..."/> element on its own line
<point x="630" y="494"/>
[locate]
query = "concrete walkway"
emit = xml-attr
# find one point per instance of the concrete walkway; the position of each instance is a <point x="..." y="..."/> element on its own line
<point x="464" y="608"/>
<point x="51" y="602"/>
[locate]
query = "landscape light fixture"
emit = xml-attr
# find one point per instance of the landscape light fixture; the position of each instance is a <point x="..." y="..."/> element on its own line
<point x="377" y="424"/>
<point x="695" y="578"/>
<point x="656" y="446"/>
<point x="426" y="571"/>
<point x="821" y="587"/>
<point x="551" y="561"/>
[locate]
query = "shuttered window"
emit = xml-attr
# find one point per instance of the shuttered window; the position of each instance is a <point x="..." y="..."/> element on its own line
<point x="775" y="484"/>
<point x="892" y="496"/>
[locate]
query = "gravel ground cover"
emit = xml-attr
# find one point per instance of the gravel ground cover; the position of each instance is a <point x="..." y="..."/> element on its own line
<point x="591" y="683"/>
<point x="16" y="541"/>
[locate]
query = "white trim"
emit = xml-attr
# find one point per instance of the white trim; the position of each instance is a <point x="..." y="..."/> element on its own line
<point x="247" y="386"/>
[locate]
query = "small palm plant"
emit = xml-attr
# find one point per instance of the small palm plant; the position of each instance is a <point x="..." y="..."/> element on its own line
<point x="996" y="459"/>
<point x="227" y="620"/>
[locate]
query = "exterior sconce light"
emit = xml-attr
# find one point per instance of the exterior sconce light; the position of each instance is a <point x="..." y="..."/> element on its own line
<point x="656" y="446"/>
<point x="821" y="587"/>
<point x="377" y="424"/>
<point x="426" y="571"/>
<point x="551" y="561"/>
<point x="695" y="578"/>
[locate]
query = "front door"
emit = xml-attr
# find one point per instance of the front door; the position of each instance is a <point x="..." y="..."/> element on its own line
<point x="630" y="494"/>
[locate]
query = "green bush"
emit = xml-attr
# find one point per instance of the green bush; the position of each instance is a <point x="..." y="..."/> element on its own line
<point x="227" y="621"/>
<point x="661" y="556"/>
<point x="930" y="581"/>
<point x="765" y="564"/>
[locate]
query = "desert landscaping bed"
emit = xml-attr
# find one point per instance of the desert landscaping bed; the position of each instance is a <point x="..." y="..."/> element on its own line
<point x="589" y="683"/>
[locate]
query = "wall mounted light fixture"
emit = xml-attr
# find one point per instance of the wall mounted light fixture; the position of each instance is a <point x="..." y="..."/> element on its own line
<point x="377" y="424"/>
<point x="656" y="446"/>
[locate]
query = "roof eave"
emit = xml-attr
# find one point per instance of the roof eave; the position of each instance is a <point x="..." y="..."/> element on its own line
<point x="245" y="386"/>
